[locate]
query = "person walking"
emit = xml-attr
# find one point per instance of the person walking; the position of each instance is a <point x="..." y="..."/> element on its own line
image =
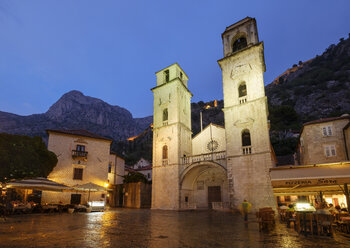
<point x="245" y="209"/>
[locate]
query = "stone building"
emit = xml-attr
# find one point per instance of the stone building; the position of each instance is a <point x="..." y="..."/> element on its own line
<point x="83" y="157"/>
<point x="325" y="141"/>
<point x="324" y="170"/>
<point x="116" y="170"/>
<point x="144" y="167"/>
<point x="219" y="164"/>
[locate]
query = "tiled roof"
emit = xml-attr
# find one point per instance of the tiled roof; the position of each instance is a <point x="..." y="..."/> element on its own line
<point x="327" y="120"/>
<point x="78" y="132"/>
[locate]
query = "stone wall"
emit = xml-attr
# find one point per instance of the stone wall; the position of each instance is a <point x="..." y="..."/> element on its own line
<point x="313" y="142"/>
<point x="137" y="195"/>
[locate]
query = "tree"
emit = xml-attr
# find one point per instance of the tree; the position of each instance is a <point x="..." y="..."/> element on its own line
<point x="23" y="156"/>
<point x="135" y="177"/>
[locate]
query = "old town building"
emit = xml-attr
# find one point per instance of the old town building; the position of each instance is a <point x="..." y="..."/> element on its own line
<point x="324" y="141"/>
<point x="219" y="165"/>
<point x="83" y="157"/>
<point x="324" y="170"/>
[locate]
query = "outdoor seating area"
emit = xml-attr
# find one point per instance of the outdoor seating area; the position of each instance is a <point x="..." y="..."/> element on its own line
<point x="266" y="218"/>
<point x="309" y="221"/>
<point x="16" y="207"/>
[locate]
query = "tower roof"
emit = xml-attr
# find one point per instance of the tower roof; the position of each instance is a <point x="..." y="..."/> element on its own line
<point x="237" y="24"/>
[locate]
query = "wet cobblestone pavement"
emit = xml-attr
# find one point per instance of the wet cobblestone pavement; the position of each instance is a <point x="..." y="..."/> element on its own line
<point x="146" y="228"/>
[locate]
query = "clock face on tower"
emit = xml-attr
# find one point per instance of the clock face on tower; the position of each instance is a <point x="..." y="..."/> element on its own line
<point x="212" y="145"/>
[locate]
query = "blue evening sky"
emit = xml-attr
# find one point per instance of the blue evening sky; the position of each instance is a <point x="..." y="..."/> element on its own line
<point x="111" y="49"/>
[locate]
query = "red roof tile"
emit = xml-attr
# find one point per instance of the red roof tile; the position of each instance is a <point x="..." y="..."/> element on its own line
<point x="327" y="120"/>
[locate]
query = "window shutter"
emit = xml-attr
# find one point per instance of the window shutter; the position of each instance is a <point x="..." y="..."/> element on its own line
<point x="324" y="131"/>
<point x="327" y="151"/>
<point x="329" y="130"/>
<point x="333" y="150"/>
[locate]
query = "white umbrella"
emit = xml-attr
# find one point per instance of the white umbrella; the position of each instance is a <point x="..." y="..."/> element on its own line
<point x="38" y="183"/>
<point x="88" y="187"/>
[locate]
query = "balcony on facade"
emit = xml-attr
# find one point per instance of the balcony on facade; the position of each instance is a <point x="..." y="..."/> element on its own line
<point x="247" y="150"/>
<point x="215" y="156"/>
<point x="242" y="99"/>
<point x="79" y="154"/>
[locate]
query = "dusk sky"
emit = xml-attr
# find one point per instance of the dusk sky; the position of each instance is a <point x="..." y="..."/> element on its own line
<point x="112" y="49"/>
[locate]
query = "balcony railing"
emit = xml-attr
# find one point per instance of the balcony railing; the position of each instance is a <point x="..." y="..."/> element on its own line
<point x="242" y="99"/>
<point x="203" y="157"/>
<point x="247" y="150"/>
<point x="79" y="154"/>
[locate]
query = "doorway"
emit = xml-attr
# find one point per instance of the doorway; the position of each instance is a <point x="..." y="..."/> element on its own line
<point x="214" y="195"/>
<point x="75" y="199"/>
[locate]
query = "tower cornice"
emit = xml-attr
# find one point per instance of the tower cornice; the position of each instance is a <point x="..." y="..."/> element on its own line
<point x="244" y="51"/>
<point x="178" y="80"/>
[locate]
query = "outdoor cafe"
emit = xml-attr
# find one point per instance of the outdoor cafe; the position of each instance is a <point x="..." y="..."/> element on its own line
<point x="313" y="198"/>
<point x="25" y="196"/>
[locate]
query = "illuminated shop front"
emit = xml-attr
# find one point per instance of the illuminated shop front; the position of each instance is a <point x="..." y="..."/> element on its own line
<point x="312" y="183"/>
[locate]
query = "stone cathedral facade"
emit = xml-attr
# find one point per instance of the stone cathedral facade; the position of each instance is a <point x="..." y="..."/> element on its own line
<point x="219" y="165"/>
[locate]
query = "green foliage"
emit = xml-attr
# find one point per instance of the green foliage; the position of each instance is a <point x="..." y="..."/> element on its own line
<point x="135" y="177"/>
<point x="23" y="156"/>
<point x="284" y="146"/>
<point x="283" y="118"/>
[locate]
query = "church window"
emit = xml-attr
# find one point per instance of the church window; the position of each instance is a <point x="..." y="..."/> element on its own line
<point x="166" y="74"/>
<point x="239" y="44"/>
<point x="242" y="90"/>
<point x="180" y="75"/>
<point x="165" y="116"/>
<point x="246" y="142"/>
<point x="242" y="93"/>
<point x="165" y="152"/>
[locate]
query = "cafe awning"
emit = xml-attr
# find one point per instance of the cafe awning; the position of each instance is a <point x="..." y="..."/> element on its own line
<point x="38" y="183"/>
<point x="310" y="179"/>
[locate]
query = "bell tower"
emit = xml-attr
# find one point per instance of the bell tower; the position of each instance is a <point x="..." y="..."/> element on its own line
<point x="171" y="135"/>
<point x="248" y="148"/>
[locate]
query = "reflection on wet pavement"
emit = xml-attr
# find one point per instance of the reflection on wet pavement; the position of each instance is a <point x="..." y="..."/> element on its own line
<point x="150" y="228"/>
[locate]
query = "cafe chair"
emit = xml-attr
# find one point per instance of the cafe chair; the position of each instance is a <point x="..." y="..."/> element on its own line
<point x="324" y="224"/>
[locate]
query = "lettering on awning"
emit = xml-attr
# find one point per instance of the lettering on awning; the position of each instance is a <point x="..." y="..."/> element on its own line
<point x="311" y="182"/>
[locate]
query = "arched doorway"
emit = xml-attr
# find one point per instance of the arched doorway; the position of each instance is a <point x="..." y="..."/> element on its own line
<point x="202" y="183"/>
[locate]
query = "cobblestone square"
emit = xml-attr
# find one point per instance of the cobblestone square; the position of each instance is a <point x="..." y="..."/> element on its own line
<point x="149" y="228"/>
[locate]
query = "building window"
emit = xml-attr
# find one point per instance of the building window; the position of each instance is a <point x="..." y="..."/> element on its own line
<point x="246" y="138"/>
<point x="75" y="199"/>
<point x="78" y="174"/>
<point x="246" y="142"/>
<point x="166" y="74"/>
<point x="330" y="151"/>
<point x="242" y="93"/>
<point x="239" y="44"/>
<point x="80" y="148"/>
<point x="165" y="152"/>
<point x="109" y="168"/>
<point x="180" y="75"/>
<point x="327" y="131"/>
<point x="165" y="116"/>
<point x="242" y="90"/>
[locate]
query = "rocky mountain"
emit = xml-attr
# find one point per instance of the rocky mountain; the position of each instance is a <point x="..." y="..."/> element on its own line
<point x="77" y="111"/>
<point x="317" y="88"/>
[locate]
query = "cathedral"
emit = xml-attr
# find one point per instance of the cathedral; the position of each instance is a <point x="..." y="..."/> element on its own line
<point x="220" y="165"/>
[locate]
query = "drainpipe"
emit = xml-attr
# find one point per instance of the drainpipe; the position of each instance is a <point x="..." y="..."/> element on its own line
<point x="346" y="193"/>
<point x="346" y="146"/>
